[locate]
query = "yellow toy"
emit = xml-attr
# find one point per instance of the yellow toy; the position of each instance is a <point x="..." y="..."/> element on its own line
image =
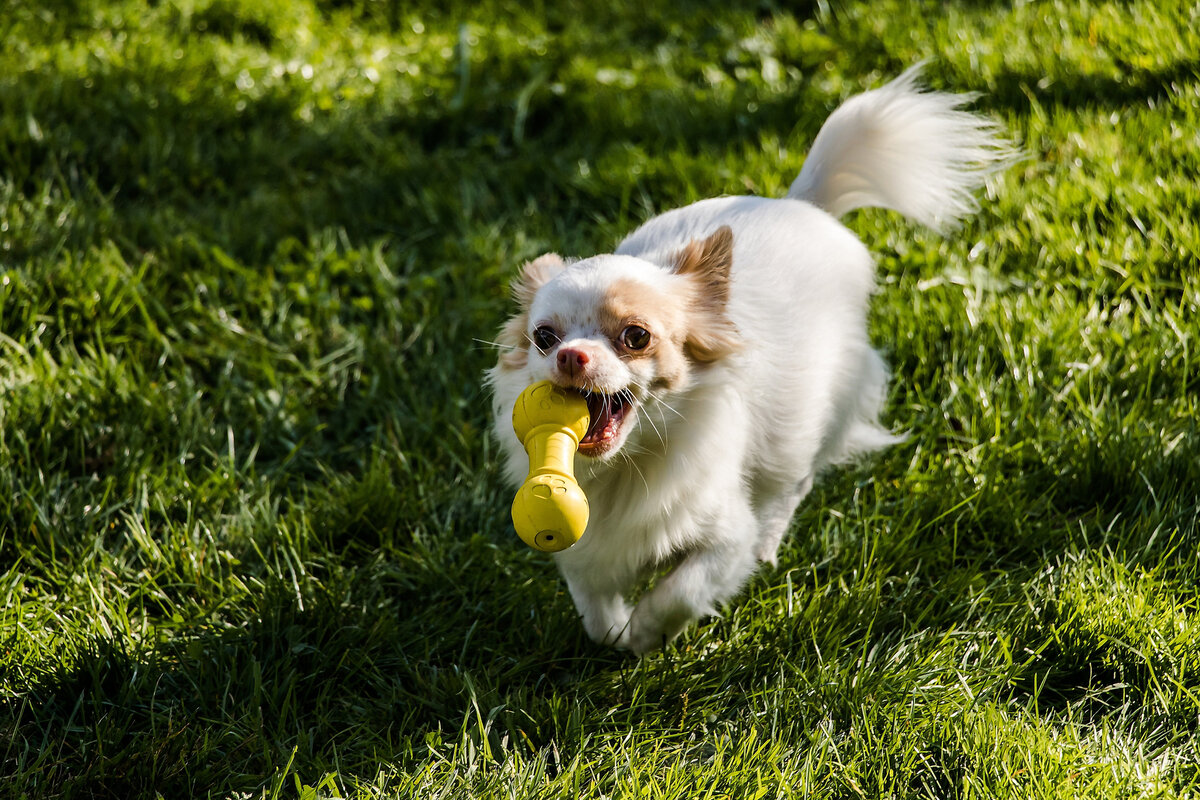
<point x="550" y="511"/>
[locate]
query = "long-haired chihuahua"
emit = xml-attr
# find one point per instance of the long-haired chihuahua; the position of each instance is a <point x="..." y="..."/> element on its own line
<point x="724" y="356"/>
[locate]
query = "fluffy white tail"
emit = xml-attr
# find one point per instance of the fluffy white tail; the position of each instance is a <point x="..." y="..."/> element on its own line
<point x="905" y="149"/>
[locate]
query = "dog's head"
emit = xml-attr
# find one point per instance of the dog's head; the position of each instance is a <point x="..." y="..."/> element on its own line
<point x="624" y="331"/>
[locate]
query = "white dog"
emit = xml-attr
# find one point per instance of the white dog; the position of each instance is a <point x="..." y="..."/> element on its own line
<point x="723" y="351"/>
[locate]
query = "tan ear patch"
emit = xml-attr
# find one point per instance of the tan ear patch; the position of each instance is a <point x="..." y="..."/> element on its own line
<point x="713" y="342"/>
<point x="707" y="263"/>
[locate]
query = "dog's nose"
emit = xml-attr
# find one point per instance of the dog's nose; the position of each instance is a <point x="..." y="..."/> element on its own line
<point x="572" y="360"/>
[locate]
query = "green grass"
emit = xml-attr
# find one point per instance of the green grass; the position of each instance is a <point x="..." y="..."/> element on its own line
<point x="253" y="538"/>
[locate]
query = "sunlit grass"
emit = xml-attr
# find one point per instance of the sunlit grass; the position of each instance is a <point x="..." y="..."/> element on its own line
<point x="253" y="540"/>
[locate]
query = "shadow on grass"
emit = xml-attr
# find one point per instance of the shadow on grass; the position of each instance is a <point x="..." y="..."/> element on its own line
<point x="461" y="642"/>
<point x="379" y="669"/>
<point x="150" y="155"/>
<point x="406" y="647"/>
<point x="1083" y="497"/>
<point x="1016" y="90"/>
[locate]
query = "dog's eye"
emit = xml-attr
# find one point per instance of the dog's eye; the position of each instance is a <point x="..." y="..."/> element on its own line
<point x="635" y="337"/>
<point x="544" y="337"/>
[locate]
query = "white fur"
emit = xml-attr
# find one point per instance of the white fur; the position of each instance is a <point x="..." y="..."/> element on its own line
<point x="899" y="148"/>
<point x="710" y="474"/>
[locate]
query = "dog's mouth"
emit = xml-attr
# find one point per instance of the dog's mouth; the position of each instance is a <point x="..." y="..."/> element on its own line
<point x="608" y="413"/>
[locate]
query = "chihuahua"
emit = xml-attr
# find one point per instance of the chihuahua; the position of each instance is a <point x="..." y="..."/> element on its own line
<point x="724" y="356"/>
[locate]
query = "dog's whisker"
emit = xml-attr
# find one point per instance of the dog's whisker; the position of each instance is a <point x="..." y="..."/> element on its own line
<point x="657" y="397"/>
<point x="662" y="416"/>
<point x="664" y="404"/>
<point x="627" y="397"/>
<point x="627" y="455"/>
<point x="641" y="474"/>
<point x="501" y="345"/>
<point x="661" y="438"/>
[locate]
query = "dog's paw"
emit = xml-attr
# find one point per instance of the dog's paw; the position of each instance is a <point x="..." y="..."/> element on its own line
<point x="644" y="640"/>
<point x="649" y="629"/>
<point x="608" y="626"/>
<point x="766" y="555"/>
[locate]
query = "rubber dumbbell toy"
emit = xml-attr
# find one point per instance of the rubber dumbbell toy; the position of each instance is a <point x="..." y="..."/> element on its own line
<point x="550" y="511"/>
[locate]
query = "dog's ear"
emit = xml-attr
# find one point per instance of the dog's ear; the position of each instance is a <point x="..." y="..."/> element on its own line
<point x="513" y="340"/>
<point x="707" y="263"/>
<point x="534" y="275"/>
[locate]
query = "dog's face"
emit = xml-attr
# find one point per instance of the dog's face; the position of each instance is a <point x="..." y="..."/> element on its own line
<point x="623" y="331"/>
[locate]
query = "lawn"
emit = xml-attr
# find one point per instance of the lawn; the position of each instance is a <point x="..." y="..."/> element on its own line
<point x="253" y="537"/>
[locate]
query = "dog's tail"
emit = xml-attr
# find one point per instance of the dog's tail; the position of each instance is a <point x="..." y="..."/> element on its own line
<point x="905" y="149"/>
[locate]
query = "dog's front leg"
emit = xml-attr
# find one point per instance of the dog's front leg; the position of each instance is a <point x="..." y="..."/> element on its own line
<point x="702" y="581"/>
<point x="775" y="511"/>
<point x="599" y="599"/>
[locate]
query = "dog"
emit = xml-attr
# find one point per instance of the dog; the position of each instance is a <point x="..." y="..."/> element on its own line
<point x="724" y="356"/>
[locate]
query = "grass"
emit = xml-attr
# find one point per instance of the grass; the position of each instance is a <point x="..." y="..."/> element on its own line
<point x="253" y="539"/>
